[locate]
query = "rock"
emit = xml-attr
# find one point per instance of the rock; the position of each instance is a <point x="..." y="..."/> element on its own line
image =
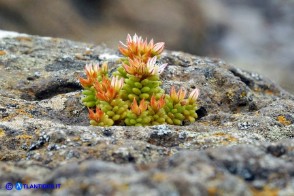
<point x="242" y="144"/>
<point x="256" y="36"/>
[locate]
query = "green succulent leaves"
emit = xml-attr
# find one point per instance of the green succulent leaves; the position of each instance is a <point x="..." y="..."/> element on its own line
<point x="133" y="95"/>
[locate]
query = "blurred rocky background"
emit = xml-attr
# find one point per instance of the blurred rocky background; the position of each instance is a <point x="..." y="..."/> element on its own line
<point x="255" y="35"/>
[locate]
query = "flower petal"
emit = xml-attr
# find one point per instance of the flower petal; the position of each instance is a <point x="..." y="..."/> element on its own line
<point x="96" y="116"/>
<point x="194" y="95"/>
<point x="161" y="68"/>
<point x="158" y="47"/>
<point x="136" y="47"/>
<point x="182" y="93"/>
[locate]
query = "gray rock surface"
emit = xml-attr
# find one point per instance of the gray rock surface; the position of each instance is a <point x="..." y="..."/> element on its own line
<point x="242" y="144"/>
<point x="253" y="35"/>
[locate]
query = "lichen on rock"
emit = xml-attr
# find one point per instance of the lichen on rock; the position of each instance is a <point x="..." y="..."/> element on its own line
<point x="241" y="143"/>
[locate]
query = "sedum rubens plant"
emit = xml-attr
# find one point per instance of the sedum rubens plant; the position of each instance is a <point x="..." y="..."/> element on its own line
<point x="133" y="95"/>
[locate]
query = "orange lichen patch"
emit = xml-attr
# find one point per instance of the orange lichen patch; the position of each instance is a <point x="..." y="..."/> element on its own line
<point x="2" y="133"/>
<point x="265" y="91"/>
<point x="283" y="120"/>
<point x="24" y="137"/>
<point x="12" y="156"/>
<point x="243" y="94"/>
<point x="265" y="191"/>
<point x="19" y="112"/>
<point x="2" y="52"/>
<point x="93" y="151"/>
<point x="257" y="89"/>
<point x="212" y="81"/>
<point x="269" y="92"/>
<point x="221" y="134"/>
<point x="119" y="186"/>
<point x="75" y="139"/>
<point x="210" y="123"/>
<point x="24" y="112"/>
<point x="23" y="38"/>
<point x="227" y="138"/>
<point x="230" y="94"/>
<point x="159" y="177"/>
<point x="212" y="191"/>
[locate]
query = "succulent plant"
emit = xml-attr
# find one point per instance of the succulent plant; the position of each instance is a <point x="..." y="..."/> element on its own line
<point x="94" y="74"/>
<point x="157" y="111"/>
<point x="138" y="115"/>
<point x="114" y="100"/>
<point x="178" y="108"/>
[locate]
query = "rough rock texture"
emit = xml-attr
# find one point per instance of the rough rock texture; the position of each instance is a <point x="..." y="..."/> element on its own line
<point x="242" y="144"/>
<point x="254" y="35"/>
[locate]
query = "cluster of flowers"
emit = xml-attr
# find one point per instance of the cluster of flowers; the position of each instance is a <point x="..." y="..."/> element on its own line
<point x="133" y="96"/>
